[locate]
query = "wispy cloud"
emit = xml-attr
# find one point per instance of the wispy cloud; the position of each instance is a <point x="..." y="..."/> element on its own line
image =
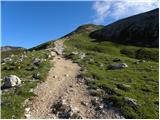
<point x="116" y="9"/>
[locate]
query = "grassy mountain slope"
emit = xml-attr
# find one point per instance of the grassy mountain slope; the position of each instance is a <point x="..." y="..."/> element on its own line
<point x="140" y="30"/>
<point x="141" y="78"/>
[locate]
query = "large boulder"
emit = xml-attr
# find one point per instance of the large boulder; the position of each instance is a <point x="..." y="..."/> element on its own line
<point x="11" y="81"/>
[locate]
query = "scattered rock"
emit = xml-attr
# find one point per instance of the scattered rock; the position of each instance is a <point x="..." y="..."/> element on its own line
<point x="25" y="102"/>
<point x="12" y="55"/>
<point x="100" y="107"/>
<point x="131" y="102"/>
<point x="11" y="81"/>
<point x="27" y="115"/>
<point x="6" y="60"/>
<point x="94" y="92"/>
<point x="37" y="61"/>
<point x="82" y="55"/>
<point x="94" y="101"/>
<point x="54" y="76"/>
<point x="101" y="65"/>
<point x="31" y="90"/>
<point x="36" y="76"/>
<point x="117" y="66"/>
<point x="63" y="110"/>
<point x="84" y="103"/>
<point x="75" y="53"/>
<point x="27" y="109"/>
<point x="142" y="61"/>
<point x="116" y="60"/>
<point x="123" y="87"/>
<point x="66" y="75"/>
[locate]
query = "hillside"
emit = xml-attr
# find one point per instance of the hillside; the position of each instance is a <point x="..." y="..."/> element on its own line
<point x="83" y="75"/>
<point x="140" y="30"/>
<point x="7" y="48"/>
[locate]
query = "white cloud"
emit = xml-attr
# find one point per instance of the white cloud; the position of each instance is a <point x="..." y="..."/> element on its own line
<point x="117" y="9"/>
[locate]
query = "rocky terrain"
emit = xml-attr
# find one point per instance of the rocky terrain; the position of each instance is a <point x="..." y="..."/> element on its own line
<point x="82" y="76"/>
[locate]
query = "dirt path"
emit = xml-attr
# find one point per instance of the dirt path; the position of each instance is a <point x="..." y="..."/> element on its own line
<point x="61" y="83"/>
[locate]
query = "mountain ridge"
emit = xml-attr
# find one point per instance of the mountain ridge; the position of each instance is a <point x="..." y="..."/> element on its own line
<point x="139" y="30"/>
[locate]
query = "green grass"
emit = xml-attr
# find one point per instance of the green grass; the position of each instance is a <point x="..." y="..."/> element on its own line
<point x="13" y="99"/>
<point x="43" y="46"/>
<point x="142" y="78"/>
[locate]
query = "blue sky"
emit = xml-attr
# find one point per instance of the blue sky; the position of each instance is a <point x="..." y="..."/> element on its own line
<point x="28" y="24"/>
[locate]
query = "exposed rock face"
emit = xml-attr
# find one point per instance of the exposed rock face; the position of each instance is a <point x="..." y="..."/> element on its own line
<point x="11" y="81"/>
<point x="140" y="30"/>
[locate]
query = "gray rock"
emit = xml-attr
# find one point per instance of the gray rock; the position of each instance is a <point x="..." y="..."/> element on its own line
<point x="123" y="87"/>
<point x="101" y="65"/>
<point x="6" y="60"/>
<point x="37" y="61"/>
<point x="84" y="103"/>
<point x="116" y="60"/>
<point x="117" y="66"/>
<point x="75" y="53"/>
<point x="36" y="76"/>
<point x="131" y="102"/>
<point x="82" y="55"/>
<point x="95" y="102"/>
<point x="11" y="81"/>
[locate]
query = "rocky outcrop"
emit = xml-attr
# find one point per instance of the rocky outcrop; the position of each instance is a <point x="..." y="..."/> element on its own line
<point x="139" y="30"/>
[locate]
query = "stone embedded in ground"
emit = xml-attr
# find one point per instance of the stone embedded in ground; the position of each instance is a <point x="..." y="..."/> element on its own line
<point x="117" y="66"/>
<point x="82" y="55"/>
<point x="11" y="81"/>
<point x="116" y="60"/>
<point x="94" y="101"/>
<point x="54" y="76"/>
<point x="75" y="53"/>
<point x="100" y="65"/>
<point x="84" y="103"/>
<point x="36" y="76"/>
<point x="66" y="75"/>
<point x="27" y="115"/>
<point x="37" y="61"/>
<point x="123" y="87"/>
<point x="131" y="102"/>
<point x="27" y="109"/>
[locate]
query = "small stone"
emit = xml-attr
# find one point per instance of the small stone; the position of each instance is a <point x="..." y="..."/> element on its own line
<point x="27" y="115"/>
<point x="84" y="103"/>
<point x="116" y="60"/>
<point x="131" y="102"/>
<point x="31" y="90"/>
<point x="54" y="76"/>
<point x="27" y="110"/>
<point x="66" y="75"/>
